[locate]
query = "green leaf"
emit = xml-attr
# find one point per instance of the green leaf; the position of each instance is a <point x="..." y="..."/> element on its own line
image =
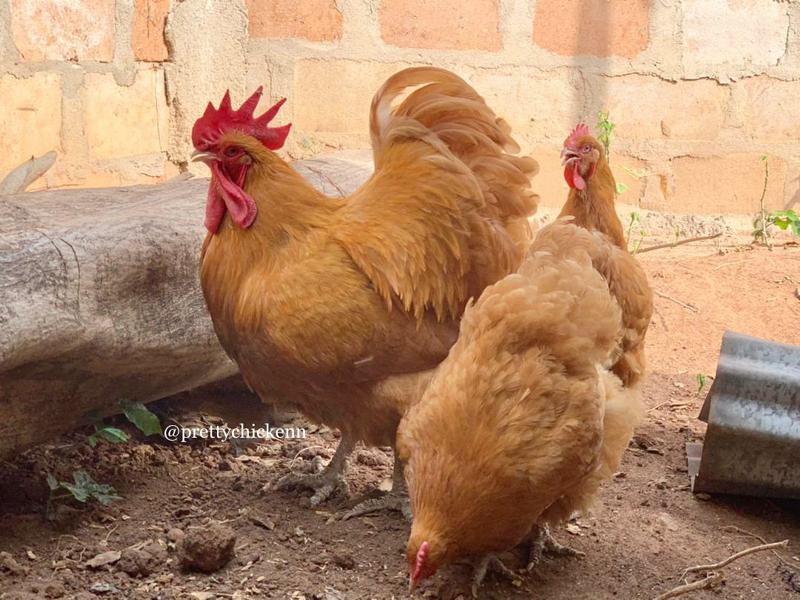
<point x="85" y="487"/>
<point x="781" y="223"/>
<point x="92" y="440"/>
<point x="52" y="482"/>
<point x="112" y="434"/>
<point x="139" y="415"/>
<point x="106" y="497"/>
<point x="80" y="494"/>
<point x="621" y="188"/>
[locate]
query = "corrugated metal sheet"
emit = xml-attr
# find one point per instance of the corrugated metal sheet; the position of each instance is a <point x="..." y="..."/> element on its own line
<point x="752" y="444"/>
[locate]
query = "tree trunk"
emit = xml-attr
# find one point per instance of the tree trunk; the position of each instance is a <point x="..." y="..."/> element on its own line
<point x="100" y="300"/>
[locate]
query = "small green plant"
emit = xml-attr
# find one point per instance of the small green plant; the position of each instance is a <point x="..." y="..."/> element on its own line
<point x="82" y="489"/>
<point x="761" y="223"/>
<point x="634" y="220"/>
<point x="606" y="128"/>
<point x="785" y="219"/>
<point x="701" y="382"/>
<point x="109" y="434"/>
<point x="144" y="420"/>
<point x="138" y="414"/>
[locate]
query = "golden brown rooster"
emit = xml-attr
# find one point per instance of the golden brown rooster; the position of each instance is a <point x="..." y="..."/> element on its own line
<point x="341" y="306"/>
<point x="522" y="421"/>
<point x="591" y="203"/>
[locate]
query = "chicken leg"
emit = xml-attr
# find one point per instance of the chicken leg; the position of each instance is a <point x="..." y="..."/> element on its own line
<point x="490" y="562"/>
<point x="396" y="499"/>
<point x="330" y="480"/>
<point x="542" y="542"/>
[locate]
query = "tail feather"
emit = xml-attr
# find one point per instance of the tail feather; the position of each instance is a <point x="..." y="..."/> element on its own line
<point x="452" y="113"/>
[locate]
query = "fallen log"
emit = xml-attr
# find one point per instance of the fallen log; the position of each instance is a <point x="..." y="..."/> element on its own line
<point x="100" y="300"/>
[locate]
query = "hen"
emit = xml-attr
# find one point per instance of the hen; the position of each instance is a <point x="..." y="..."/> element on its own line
<point x="591" y="203"/>
<point x="341" y="306"/>
<point x="522" y="421"/>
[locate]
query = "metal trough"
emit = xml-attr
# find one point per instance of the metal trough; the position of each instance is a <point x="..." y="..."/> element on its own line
<point x="752" y="444"/>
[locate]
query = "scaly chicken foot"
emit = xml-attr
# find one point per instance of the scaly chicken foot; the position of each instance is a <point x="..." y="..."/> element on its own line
<point x="542" y="543"/>
<point x="487" y="563"/>
<point x="330" y="481"/>
<point x="397" y="499"/>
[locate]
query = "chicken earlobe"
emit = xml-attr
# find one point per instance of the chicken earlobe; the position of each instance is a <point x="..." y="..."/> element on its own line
<point x="330" y="481"/>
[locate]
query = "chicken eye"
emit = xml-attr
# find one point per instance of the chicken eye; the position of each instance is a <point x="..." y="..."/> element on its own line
<point x="232" y="151"/>
<point x="587" y="148"/>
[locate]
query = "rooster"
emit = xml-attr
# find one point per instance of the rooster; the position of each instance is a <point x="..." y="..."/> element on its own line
<point x="522" y="421"/>
<point x="591" y="204"/>
<point x="343" y="306"/>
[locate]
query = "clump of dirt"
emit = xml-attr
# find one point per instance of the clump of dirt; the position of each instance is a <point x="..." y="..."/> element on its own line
<point x="207" y="549"/>
<point x="10" y="566"/>
<point x="142" y="561"/>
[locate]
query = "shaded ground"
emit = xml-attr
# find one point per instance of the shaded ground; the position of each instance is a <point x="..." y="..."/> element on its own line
<point x="644" y="531"/>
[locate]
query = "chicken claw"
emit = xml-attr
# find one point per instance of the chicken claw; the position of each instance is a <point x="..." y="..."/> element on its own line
<point x="542" y="543"/>
<point x="487" y="563"/>
<point x="326" y="483"/>
<point x="396" y="499"/>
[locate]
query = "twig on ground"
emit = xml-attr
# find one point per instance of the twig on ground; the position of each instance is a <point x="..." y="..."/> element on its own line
<point x="669" y="403"/>
<point x="690" y="307"/>
<point x="733" y="557"/>
<point x="734" y="529"/>
<point x="699" y="238"/>
<point x="661" y="317"/>
<point x="711" y="580"/>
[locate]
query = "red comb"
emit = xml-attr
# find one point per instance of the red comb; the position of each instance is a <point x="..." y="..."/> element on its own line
<point x="581" y="130"/>
<point x="422" y="556"/>
<point x="216" y="121"/>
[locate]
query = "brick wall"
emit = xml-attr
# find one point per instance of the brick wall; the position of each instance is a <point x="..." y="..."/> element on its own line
<point x="699" y="89"/>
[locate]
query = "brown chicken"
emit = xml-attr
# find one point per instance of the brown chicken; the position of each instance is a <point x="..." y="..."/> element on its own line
<point x="340" y="306"/>
<point x="522" y="421"/>
<point x="591" y="204"/>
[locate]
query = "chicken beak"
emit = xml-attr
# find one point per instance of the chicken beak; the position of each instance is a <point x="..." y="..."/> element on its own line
<point x="412" y="585"/>
<point x="567" y="155"/>
<point x="206" y="157"/>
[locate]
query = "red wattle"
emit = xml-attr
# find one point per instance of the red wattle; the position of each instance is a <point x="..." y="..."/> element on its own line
<point x="215" y="206"/>
<point x="225" y="195"/>
<point x="573" y="176"/>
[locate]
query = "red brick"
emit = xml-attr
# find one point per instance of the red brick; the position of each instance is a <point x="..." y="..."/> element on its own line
<point x="58" y="30"/>
<point x="444" y="24"/>
<point x="149" y="21"/>
<point x="315" y="20"/>
<point x="596" y="27"/>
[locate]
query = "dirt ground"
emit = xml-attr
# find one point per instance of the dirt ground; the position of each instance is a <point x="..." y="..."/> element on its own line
<point x="645" y="529"/>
